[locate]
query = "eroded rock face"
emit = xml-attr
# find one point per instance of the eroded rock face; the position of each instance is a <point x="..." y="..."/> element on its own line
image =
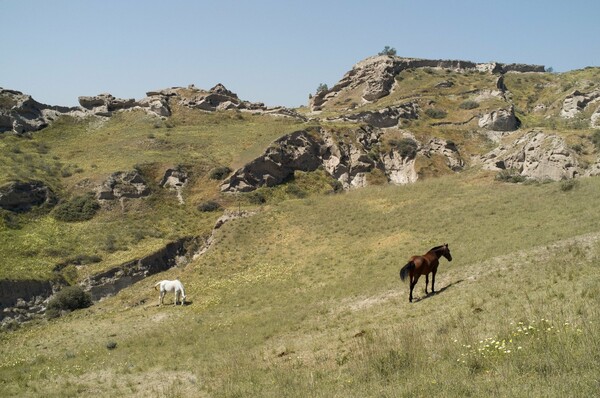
<point x="348" y="159"/>
<point x="295" y="151"/>
<point x="21" y="196"/>
<point x="123" y="184"/>
<point x="535" y="155"/>
<point x="386" y="117"/>
<point x="447" y="149"/>
<point x="577" y="102"/>
<point x="20" y="113"/>
<point x="500" y="120"/>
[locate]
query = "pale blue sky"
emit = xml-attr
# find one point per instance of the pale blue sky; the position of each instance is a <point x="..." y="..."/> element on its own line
<point x="276" y="52"/>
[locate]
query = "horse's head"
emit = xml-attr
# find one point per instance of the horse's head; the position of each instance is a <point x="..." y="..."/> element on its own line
<point x="446" y="252"/>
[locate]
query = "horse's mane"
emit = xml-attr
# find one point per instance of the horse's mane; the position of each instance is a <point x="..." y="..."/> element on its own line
<point x="436" y="248"/>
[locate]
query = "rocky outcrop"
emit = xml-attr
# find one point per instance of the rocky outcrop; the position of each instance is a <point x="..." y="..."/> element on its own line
<point x="399" y="169"/>
<point x="123" y="184"/>
<point x="19" y="196"/>
<point x="20" y="113"/>
<point x="376" y="76"/>
<point x="348" y="159"/>
<point x="386" y="117"/>
<point x="536" y="155"/>
<point x="175" y="179"/>
<point x="106" y="104"/>
<point x="295" y="151"/>
<point x="348" y="162"/>
<point x="500" y="120"/>
<point x="22" y="300"/>
<point x="577" y="102"/>
<point x="217" y="98"/>
<point x="446" y="149"/>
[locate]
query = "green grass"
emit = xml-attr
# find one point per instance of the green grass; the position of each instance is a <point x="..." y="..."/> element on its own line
<point x="304" y="299"/>
<point x="60" y="155"/>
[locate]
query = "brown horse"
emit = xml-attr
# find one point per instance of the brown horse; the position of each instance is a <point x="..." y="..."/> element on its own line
<point x="423" y="265"/>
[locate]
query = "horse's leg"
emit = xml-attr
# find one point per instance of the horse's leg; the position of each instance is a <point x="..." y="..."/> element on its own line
<point x="413" y="282"/>
<point x="426" y="282"/>
<point x="433" y="281"/>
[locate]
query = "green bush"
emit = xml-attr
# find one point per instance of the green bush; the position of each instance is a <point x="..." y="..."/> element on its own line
<point x="209" y="205"/>
<point x="567" y="185"/>
<point x="436" y="113"/>
<point x="68" y="299"/>
<point x="510" y="175"/>
<point x="469" y="104"/>
<point x="219" y="173"/>
<point x="80" y="208"/>
<point x="407" y="147"/>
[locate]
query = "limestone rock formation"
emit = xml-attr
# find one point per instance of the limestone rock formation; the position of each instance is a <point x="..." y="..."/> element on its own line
<point x="386" y="117"/>
<point x="500" y="120"/>
<point x="21" y="196"/>
<point x="106" y="104"/>
<point x="447" y="149"/>
<point x="535" y="155"/>
<point x="20" y="113"/>
<point x="129" y="184"/>
<point x="577" y="102"/>
<point x="347" y="159"/>
<point x="295" y="151"/>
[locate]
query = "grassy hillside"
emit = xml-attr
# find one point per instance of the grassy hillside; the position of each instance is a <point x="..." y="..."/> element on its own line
<point x="73" y="156"/>
<point x="303" y="299"/>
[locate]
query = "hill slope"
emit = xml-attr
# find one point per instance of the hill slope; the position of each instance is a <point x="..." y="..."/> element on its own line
<point x="304" y="298"/>
<point x="301" y="296"/>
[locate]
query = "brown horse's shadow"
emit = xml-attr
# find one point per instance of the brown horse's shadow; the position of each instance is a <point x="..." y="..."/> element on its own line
<point x="428" y="295"/>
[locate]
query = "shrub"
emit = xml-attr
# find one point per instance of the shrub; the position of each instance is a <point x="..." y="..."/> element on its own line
<point x="387" y="50"/>
<point x="469" y="104"/>
<point x="257" y="198"/>
<point x="567" y="185"/>
<point x="80" y="208"/>
<point x="68" y="299"/>
<point x="407" y="147"/>
<point x="595" y="138"/>
<point x="219" y="173"/>
<point x="295" y="190"/>
<point x="510" y="175"/>
<point x="435" y="113"/>
<point x="209" y="205"/>
<point x="322" y="87"/>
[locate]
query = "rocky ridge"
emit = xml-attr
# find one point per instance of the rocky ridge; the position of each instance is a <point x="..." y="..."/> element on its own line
<point x="376" y="75"/>
<point x="20" y="113"/>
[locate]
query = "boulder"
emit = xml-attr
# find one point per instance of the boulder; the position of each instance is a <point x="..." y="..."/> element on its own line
<point x="21" y="196"/>
<point x="500" y="120"/>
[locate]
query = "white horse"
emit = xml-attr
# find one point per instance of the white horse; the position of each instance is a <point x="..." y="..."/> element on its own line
<point x="170" y="286"/>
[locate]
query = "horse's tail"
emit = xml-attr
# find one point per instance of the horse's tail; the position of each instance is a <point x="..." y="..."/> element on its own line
<point x="157" y="285"/>
<point x="406" y="269"/>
